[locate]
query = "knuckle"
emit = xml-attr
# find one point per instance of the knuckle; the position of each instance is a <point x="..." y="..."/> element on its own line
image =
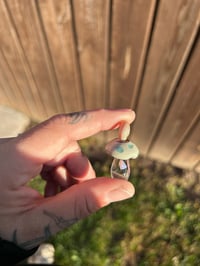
<point x="59" y="119"/>
<point x="86" y="206"/>
<point x="103" y="112"/>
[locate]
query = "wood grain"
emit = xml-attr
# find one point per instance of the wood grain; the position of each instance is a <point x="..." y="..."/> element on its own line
<point x="197" y="167"/>
<point x="131" y="27"/>
<point x="183" y="111"/>
<point x="8" y="94"/>
<point x="14" y="62"/>
<point x="92" y="32"/>
<point x="174" y="32"/>
<point x="35" y="48"/>
<point x="57" y="20"/>
<point x="188" y="155"/>
<point x="4" y="95"/>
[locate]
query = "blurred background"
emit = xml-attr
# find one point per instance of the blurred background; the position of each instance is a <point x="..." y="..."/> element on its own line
<point x="72" y="55"/>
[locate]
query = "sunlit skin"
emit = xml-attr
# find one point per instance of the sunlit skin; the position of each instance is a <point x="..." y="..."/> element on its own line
<point x="72" y="190"/>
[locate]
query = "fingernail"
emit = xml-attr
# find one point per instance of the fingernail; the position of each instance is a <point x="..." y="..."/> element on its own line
<point x="120" y="194"/>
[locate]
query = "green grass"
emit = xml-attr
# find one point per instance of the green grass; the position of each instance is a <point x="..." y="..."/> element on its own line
<point x="159" y="226"/>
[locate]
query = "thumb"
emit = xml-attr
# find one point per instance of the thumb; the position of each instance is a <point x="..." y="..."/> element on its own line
<point x="77" y="202"/>
<point x="81" y="200"/>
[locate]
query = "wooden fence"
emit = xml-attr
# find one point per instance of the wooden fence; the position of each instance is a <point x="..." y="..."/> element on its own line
<point x="68" y="55"/>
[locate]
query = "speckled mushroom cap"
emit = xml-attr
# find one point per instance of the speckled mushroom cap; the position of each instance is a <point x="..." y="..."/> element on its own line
<point x="122" y="149"/>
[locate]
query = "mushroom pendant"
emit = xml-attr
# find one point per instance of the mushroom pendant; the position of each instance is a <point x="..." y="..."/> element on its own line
<point x="122" y="150"/>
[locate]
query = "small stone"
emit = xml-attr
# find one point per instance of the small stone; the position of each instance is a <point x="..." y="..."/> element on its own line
<point x="44" y="255"/>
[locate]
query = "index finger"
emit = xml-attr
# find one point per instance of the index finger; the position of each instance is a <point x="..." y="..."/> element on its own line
<point x="52" y="136"/>
<point x="85" y="124"/>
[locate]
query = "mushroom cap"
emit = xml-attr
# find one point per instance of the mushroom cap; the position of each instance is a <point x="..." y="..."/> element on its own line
<point x="122" y="150"/>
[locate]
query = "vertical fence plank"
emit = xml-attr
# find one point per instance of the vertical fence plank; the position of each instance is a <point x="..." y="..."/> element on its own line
<point x="33" y="58"/>
<point x="38" y="67"/>
<point x="131" y="26"/>
<point x="11" y="84"/>
<point x="174" y="32"/>
<point x="189" y="153"/>
<point x="7" y="92"/>
<point x="91" y="24"/>
<point x="4" y="95"/>
<point x="185" y="107"/>
<point x="197" y="168"/>
<point x="13" y="58"/>
<point x="57" y="21"/>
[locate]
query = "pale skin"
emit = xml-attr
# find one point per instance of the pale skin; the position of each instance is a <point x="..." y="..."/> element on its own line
<point x="72" y="190"/>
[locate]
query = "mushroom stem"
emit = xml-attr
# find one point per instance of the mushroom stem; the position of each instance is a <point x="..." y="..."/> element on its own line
<point x="124" y="131"/>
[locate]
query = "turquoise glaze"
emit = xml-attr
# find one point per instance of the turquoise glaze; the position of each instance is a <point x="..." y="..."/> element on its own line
<point x="123" y="150"/>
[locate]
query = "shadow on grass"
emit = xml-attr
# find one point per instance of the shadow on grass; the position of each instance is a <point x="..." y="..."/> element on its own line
<point x="159" y="226"/>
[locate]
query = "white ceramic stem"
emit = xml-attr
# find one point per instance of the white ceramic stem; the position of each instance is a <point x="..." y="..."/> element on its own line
<point x="124" y="131"/>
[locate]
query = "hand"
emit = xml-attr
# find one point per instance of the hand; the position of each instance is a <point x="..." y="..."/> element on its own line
<point x="51" y="150"/>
